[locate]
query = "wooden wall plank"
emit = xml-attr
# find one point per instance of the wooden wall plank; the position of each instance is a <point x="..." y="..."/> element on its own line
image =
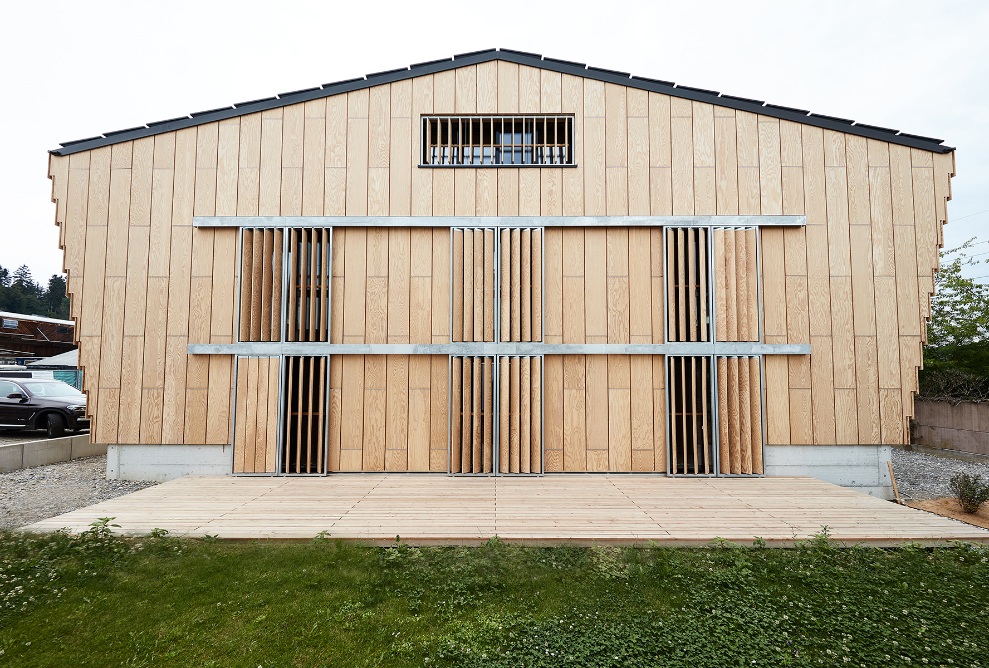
<point x="640" y="293"/>
<point x="439" y="459"/>
<point x="705" y="180"/>
<point x="397" y="413"/>
<point x="572" y="99"/>
<point x="552" y="410"/>
<point x="441" y="285"/>
<point x="595" y="285"/>
<point x="595" y="147"/>
<point x="681" y="121"/>
<point x="574" y="414"/>
<point x="660" y="155"/>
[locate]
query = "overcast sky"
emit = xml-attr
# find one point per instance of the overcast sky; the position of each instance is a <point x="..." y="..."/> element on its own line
<point x="77" y="69"/>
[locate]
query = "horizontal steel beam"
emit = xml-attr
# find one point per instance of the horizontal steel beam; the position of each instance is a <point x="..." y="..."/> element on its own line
<point x="479" y="349"/>
<point x="499" y="221"/>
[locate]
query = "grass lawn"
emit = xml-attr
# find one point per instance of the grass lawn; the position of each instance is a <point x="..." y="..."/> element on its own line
<point x="97" y="600"/>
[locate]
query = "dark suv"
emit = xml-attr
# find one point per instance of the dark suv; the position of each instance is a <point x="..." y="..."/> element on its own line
<point x="32" y="403"/>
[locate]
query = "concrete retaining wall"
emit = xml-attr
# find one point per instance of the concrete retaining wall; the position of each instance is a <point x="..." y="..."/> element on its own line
<point x="50" y="451"/>
<point x="165" y="462"/>
<point x="963" y="426"/>
<point x="859" y="467"/>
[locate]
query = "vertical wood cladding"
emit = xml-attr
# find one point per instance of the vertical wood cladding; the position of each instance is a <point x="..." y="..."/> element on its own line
<point x="739" y="415"/>
<point x="261" y="285"/>
<point x="521" y="285"/>
<point x="604" y="413"/>
<point x="736" y="296"/>
<point x="256" y="427"/>
<point x="388" y="413"/>
<point x="854" y="283"/>
<point x="519" y="412"/>
<point x="472" y="414"/>
<point x="391" y="285"/>
<point x="474" y="290"/>
<point x="603" y="285"/>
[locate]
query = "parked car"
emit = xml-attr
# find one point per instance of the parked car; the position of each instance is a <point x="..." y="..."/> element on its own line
<point x="32" y="403"/>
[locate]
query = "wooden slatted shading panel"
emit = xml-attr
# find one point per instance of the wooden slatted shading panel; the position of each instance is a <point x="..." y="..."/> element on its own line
<point x="473" y="283"/>
<point x="261" y="285"/>
<point x="304" y="415"/>
<point x="521" y="284"/>
<point x="308" y="304"/>
<point x="687" y="284"/>
<point x="520" y="415"/>
<point x="736" y="299"/>
<point x="689" y="383"/>
<point x="739" y="416"/>
<point x="256" y="418"/>
<point x="472" y="414"/>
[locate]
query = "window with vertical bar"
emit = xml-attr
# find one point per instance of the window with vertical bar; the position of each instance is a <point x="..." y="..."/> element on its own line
<point x="493" y="141"/>
<point x="304" y="415"/>
<point x="308" y="267"/>
<point x="691" y="439"/>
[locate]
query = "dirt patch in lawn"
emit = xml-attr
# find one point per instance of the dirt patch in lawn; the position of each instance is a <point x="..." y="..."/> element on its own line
<point x="949" y="507"/>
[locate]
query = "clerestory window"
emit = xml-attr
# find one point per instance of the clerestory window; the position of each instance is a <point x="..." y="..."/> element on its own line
<point x="494" y="141"/>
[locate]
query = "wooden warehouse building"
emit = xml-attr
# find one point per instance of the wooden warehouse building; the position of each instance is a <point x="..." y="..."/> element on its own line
<point x="501" y="263"/>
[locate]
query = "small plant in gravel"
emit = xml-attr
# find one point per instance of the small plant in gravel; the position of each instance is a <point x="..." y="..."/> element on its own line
<point x="970" y="491"/>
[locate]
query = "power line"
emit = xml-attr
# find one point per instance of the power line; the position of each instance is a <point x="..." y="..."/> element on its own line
<point x="969" y="215"/>
<point x="977" y="243"/>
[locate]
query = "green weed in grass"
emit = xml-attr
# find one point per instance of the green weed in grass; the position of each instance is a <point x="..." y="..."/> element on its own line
<point x="98" y="600"/>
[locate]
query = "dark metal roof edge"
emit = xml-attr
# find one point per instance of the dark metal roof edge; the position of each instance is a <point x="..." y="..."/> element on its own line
<point x="520" y="58"/>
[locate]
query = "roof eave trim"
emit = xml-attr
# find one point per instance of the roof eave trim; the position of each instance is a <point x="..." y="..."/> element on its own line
<point x="520" y="58"/>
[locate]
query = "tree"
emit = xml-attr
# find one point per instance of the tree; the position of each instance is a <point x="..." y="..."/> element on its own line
<point x="956" y="357"/>
<point x="55" y="300"/>
<point x="19" y="293"/>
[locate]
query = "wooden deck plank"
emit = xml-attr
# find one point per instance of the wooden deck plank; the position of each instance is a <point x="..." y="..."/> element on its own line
<point x="438" y="509"/>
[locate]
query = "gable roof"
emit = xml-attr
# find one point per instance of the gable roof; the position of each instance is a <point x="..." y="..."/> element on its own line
<point x="521" y="58"/>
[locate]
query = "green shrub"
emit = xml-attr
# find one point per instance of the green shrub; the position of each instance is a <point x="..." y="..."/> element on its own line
<point x="970" y="491"/>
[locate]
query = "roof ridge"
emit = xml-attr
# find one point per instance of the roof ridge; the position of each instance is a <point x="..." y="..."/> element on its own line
<point x="521" y="58"/>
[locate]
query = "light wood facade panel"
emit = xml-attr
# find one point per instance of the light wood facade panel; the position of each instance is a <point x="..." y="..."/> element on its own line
<point x="617" y="424"/>
<point x="385" y="413"/>
<point x="854" y="284"/>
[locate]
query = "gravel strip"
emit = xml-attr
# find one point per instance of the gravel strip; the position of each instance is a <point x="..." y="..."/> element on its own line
<point x="31" y="495"/>
<point x="924" y="476"/>
<point x="11" y="436"/>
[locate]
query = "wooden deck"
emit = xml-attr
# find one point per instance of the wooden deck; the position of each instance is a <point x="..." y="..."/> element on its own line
<point x="440" y="509"/>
